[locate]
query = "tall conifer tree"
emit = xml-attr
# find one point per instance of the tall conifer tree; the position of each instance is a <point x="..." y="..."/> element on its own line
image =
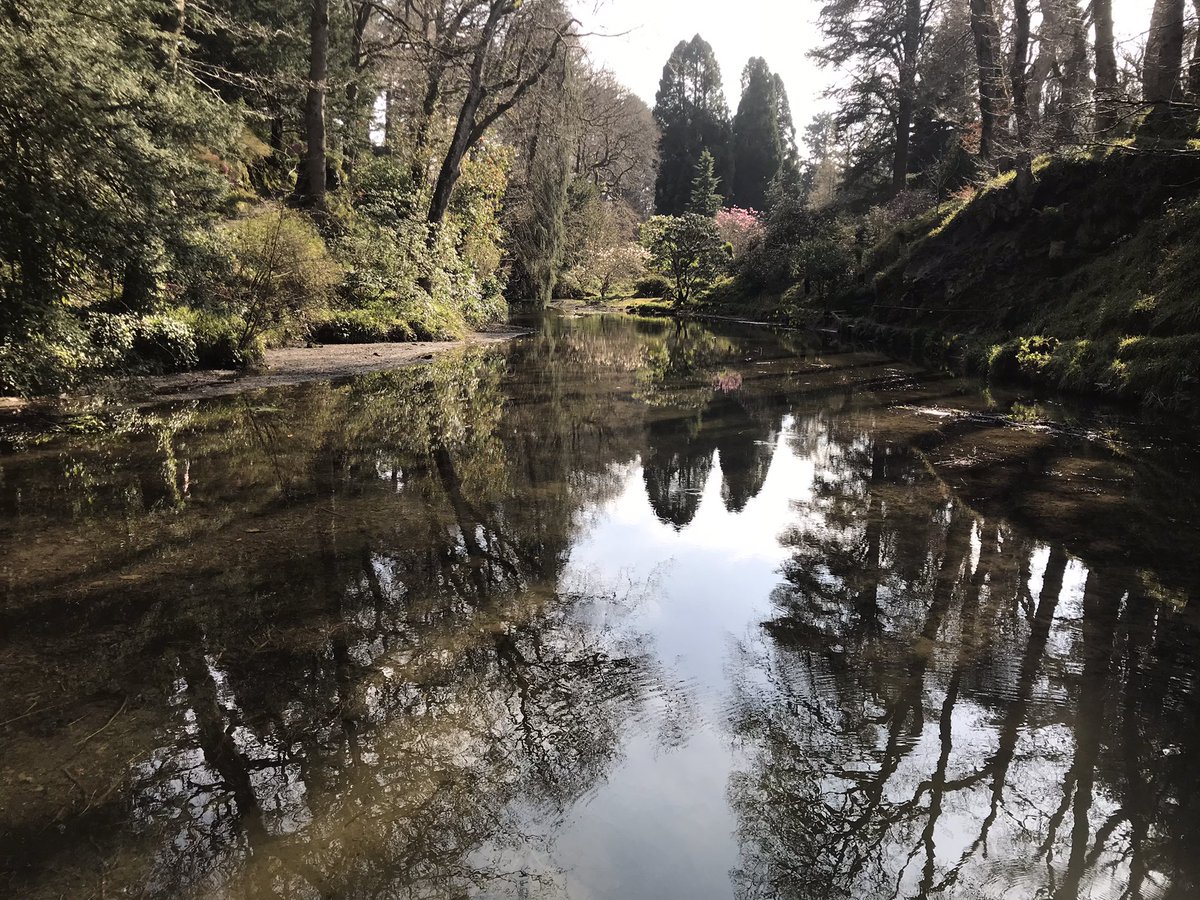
<point x="692" y="115"/>
<point x="763" y="135"/>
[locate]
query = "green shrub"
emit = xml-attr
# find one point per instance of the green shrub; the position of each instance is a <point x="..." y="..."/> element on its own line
<point x="1022" y="357"/>
<point x="434" y="285"/>
<point x="360" y="326"/>
<point x="652" y="286"/>
<point x="686" y="249"/>
<point x="112" y="337"/>
<point x="280" y="271"/>
<point x="567" y="287"/>
<point x="221" y="341"/>
<point x="53" y="358"/>
<point x="164" y="343"/>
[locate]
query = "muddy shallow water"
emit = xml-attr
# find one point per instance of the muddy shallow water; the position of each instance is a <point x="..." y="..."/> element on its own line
<point x="624" y="609"/>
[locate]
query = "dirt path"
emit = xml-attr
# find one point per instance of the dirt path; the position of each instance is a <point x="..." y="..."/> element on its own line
<point x="291" y="365"/>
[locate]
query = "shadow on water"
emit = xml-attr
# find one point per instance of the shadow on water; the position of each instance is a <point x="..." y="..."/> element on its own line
<point x="500" y="626"/>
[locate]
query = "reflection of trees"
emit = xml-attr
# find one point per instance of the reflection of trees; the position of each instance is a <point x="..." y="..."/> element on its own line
<point x="921" y="725"/>
<point x="371" y="678"/>
<point x="704" y="405"/>
<point x="334" y="627"/>
<point x="677" y="468"/>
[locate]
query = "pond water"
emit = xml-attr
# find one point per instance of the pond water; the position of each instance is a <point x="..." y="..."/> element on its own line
<point x="622" y="609"/>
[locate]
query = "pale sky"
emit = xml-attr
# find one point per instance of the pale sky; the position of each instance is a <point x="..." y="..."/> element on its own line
<point x="646" y="31"/>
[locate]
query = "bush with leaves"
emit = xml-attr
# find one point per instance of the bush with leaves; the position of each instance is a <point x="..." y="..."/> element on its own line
<point x="280" y="271"/>
<point x="109" y="159"/>
<point x="652" y="286"/>
<point x="53" y="358"/>
<point x="439" y="282"/>
<point x="798" y="244"/>
<point x="687" y="250"/>
<point x="607" y="258"/>
<point x="164" y="343"/>
<point x="219" y="340"/>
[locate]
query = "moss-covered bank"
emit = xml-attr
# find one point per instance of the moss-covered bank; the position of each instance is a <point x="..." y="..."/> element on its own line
<point x="1082" y="275"/>
<point x="1085" y="276"/>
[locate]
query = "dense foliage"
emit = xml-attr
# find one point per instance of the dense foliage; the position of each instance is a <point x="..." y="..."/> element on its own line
<point x="691" y="111"/>
<point x="182" y="183"/>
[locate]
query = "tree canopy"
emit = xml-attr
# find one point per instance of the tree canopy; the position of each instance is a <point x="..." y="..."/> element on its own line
<point x="693" y="117"/>
<point x="763" y="135"/>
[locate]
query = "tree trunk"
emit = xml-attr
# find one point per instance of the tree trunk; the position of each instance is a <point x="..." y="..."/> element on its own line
<point x="359" y="126"/>
<point x="908" y="93"/>
<point x="1106" y="68"/>
<point x="389" y="119"/>
<point x="993" y="91"/>
<point x="311" y="186"/>
<point x="1019" y="71"/>
<point x="276" y="141"/>
<point x="460" y="143"/>
<point x="451" y="168"/>
<point x="1193" y="84"/>
<point x="1043" y="65"/>
<point x="1164" y="52"/>
<point x="1062" y="29"/>
<point x="355" y="124"/>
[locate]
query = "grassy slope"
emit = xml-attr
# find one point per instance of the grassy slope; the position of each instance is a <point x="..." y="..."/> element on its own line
<point x="1087" y="280"/>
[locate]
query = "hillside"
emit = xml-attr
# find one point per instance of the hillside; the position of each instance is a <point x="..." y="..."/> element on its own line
<point x="1084" y="275"/>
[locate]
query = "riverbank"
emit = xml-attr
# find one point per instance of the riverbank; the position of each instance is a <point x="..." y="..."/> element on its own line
<point x="283" y="366"/>
<point x="1080" y="274"/>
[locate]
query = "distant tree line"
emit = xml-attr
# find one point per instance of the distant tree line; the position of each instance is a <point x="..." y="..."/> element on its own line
<point x="932" y="99"/>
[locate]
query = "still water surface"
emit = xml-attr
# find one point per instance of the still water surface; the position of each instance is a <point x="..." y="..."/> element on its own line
<point x="621" y="610"/>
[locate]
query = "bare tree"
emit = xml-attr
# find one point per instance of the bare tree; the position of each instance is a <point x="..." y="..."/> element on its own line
<point x="514" y="46"/>
<point x="617" y="144"/>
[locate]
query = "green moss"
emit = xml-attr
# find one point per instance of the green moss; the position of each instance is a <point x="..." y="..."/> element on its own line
<point x="1067" y="285"/>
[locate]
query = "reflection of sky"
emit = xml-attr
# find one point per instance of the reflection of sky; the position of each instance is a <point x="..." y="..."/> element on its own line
<point x="660" y="826"/>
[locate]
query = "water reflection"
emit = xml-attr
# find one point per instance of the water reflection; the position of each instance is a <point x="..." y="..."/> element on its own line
<point x="626" y="609"/>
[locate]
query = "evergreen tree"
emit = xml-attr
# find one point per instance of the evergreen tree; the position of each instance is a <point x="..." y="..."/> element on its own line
<point x="880" y="45"/>
<point x="760" y="136"/>
<point x="100" y="179"/>
<point x="538" y="199"/>
<point x="705" y="198"/>
<point x="692" y="116"/>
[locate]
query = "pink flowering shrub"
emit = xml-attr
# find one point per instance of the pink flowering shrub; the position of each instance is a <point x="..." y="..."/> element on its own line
<point x="739" y="228"/>
<point x="727" y="381"/>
